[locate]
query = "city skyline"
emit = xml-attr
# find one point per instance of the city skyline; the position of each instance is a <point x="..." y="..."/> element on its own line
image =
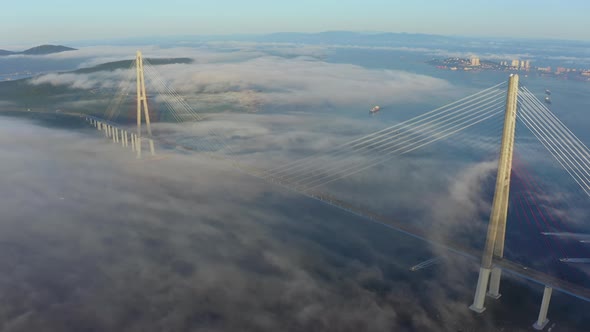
<point x="66" y="20"/>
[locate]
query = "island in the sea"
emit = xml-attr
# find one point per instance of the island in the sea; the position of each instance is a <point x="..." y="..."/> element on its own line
<point x="39" y="50"/>
<point x="514" y="65"/>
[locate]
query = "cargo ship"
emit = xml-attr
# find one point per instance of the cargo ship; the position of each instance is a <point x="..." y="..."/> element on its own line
<point x="374" y="110"/>
<point x="548" y="92"/>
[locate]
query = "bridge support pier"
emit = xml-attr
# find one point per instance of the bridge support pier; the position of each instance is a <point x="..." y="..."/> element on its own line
<point x="132" y="142"/>
<point x="138" y="146"/>
<point x="106" y="130"/>
<point x="494" y="291"/>
<point x="542" y="321"/>
<point x="152" y="150"/>
<point x="114" y="134"/>
<point x="480" y="291"/>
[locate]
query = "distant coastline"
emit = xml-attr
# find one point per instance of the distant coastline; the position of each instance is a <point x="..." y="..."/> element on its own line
<point x="514" y="65"/>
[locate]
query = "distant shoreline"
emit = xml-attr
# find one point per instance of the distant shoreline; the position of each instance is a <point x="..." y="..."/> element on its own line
<point x="474" y="64"/>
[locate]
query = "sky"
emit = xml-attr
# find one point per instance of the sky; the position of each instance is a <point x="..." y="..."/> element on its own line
<point x="36" y="21"/>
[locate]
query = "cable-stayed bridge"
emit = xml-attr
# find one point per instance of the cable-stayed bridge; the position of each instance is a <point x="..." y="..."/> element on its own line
<point x="503" y="107"/>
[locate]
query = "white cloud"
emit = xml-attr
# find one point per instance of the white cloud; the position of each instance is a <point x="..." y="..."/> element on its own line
<point x="268" y="80"/>
<point x="184" y="242"/>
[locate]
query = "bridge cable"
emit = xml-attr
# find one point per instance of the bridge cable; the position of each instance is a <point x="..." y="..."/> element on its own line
<point x="398" y="137"/>
<point x="426" y="115"/>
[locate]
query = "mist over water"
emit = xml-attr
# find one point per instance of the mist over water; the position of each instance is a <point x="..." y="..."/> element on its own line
<point x="93" y="239"/>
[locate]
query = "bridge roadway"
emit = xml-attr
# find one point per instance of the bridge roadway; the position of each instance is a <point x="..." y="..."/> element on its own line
<point x="513" y="268"/>
<point x="510" y="267"/>
<point x="35" y="111"/>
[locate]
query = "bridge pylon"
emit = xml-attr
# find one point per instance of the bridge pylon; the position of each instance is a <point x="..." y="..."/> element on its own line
<point x="494" y="246"/>
<point x="142" y="105"/>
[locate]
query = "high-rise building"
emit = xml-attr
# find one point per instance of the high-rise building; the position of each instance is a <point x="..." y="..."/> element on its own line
<point x="527" y="64"/>
<point x="474" y="61"/>
<point x="515" y="63"/>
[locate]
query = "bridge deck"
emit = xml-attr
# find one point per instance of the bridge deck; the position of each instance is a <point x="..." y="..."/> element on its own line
<point x="510" y="267"/>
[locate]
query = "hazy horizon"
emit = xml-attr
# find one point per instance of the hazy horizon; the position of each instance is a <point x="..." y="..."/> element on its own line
<point x="40" y="21"/>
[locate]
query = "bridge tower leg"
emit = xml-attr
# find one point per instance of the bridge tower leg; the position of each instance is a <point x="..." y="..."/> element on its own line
<point x="542" y="321"/>
<point x="141" y="102"/>
<point x="494" y="246"/>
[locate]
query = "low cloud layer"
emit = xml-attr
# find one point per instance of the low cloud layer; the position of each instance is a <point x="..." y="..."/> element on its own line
<point x="93" y="239"/>
<point x="253" y="79"/>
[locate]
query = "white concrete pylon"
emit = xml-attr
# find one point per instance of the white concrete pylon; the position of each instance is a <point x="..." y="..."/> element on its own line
<point x="141" y="97"/>
<point x="494" y="291"/>
<point x="480" y="291"/>
<point x="494" y="246"/>
<point x="113" y="134"/>
<point x="542" y="321"/>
